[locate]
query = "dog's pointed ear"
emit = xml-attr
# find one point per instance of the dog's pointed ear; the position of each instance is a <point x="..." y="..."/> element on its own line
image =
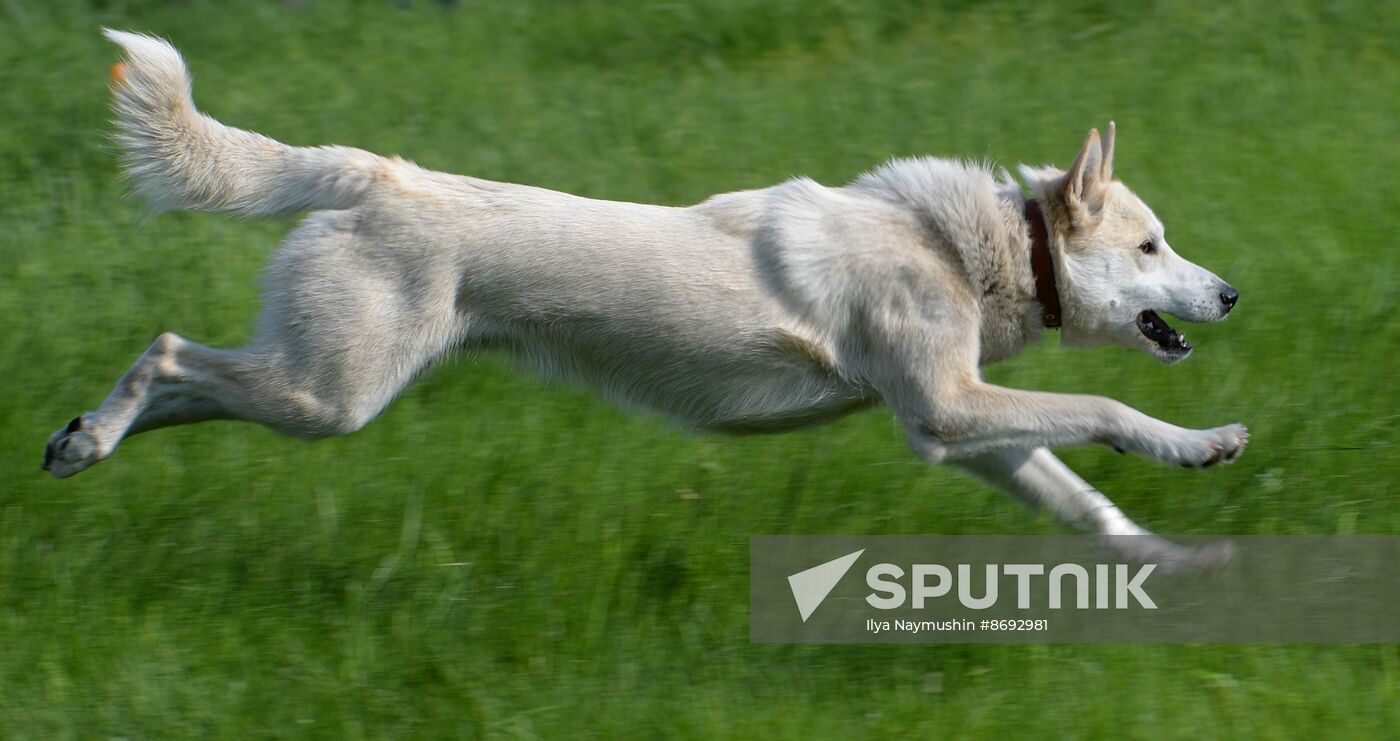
<point x="1085" y="187"/>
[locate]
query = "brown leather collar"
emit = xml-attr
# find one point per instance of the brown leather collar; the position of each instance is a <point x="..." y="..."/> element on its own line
<point x="1043" y="266"/>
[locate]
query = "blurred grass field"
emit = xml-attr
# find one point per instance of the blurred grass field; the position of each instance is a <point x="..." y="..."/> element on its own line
<point x="501" y="557"/>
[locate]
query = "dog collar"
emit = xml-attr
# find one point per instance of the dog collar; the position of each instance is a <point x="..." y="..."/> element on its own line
<point x="1043" y="266"/>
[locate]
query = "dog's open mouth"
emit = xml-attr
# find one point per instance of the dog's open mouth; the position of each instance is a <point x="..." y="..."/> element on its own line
<point x="1161" y="334"/>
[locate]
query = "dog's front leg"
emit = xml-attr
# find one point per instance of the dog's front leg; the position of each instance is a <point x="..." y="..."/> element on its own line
<point x="968" y="418"/>
<point x="1042" y="481"/>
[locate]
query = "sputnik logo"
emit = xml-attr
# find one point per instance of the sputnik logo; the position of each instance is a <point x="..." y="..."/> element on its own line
<point x="810" y="587"/>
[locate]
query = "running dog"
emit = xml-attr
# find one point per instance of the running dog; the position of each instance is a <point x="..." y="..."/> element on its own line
<point x="758" y="311"/>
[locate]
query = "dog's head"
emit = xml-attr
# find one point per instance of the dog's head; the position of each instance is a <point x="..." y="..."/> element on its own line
<point x="1115" y="271"/>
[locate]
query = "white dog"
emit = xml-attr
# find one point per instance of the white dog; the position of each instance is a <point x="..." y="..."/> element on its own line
<point x="758" y="311"/>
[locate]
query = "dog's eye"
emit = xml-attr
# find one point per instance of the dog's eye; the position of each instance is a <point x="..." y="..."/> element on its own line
<point x="1147" y="247"/>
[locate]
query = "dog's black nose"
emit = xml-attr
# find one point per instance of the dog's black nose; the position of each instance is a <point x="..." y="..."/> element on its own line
<point x="1228" y="297"/>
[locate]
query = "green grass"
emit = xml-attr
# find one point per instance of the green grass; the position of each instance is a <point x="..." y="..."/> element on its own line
<point x="499" y="557"/>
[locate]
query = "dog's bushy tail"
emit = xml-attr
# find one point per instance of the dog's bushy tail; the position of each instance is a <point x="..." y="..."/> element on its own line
<point x="180" y="158"/>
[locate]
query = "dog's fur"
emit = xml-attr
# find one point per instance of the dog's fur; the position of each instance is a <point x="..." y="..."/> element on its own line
<point x="756" y="311"/>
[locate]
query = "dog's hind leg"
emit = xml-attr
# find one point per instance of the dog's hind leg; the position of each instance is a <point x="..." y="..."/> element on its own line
<point x="276" y="383"/>
<point x="1043" y="481"/>
<point x="178" y="382"/>
<point x="347" y="324"/>
<point x="320" y="368"/>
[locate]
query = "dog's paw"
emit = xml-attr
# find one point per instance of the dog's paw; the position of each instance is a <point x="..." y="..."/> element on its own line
<point x="1236" y="437"/>
<point x="1194" y="448"/>
<point x="1171" y="558"/>
<point x="1230" y="442"/>
<point x="1218" y="445"/>
<point x="71" y="450"/>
